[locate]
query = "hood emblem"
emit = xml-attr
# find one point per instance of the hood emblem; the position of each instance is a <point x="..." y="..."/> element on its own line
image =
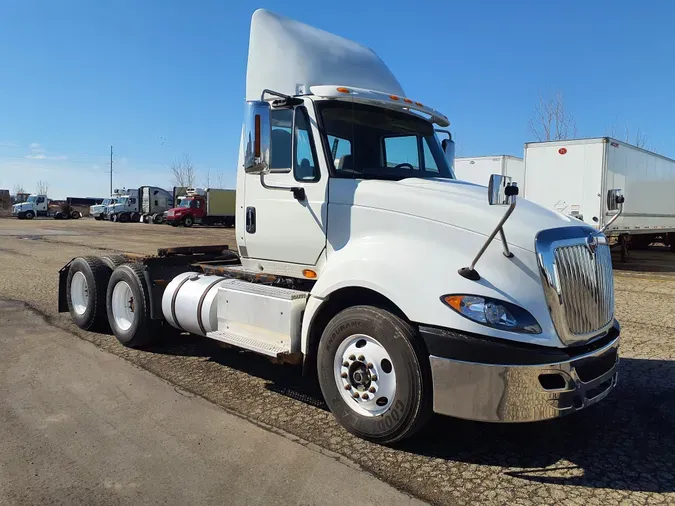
<point x="592" y="244"/>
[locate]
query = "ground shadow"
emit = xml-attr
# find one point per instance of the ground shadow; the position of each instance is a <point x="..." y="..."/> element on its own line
<point x="627" y="442"/>
<point x="655" y="258"/>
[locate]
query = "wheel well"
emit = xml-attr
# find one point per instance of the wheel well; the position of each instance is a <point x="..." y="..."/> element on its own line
<point x="336" y="302"/>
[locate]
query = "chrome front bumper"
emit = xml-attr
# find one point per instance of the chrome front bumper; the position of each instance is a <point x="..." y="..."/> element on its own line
<point x="523" y="393"/>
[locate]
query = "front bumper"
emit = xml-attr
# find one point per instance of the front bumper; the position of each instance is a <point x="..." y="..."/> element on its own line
<point x="532" y="383"/>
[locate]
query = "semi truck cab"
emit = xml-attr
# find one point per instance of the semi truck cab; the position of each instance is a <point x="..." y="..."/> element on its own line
<point x="361" y="257"/>
<point x="35" y="205"/>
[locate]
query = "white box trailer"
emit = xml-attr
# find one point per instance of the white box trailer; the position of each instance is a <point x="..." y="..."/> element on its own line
<point x="575" y="176"/>
<point x="478" y="169"/>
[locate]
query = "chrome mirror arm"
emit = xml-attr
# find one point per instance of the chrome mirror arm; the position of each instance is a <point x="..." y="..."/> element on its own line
<point x="613" y="218"/>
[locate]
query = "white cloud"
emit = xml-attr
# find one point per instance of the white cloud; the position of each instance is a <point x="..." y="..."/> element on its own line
<point x="36" y="147"/>
<point x="42" y="156"/>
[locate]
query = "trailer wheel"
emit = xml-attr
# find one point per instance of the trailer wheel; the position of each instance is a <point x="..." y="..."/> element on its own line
<point x="76" y="215"/>
<point x="128" y="304"/>
<point x="86" y="292"/>
<point x="29" y="215"/>
<point x="114" y="261"/>
<point x="188" y="221"/>
<point x="123" y="217"/>
<point x="374" y="374"/>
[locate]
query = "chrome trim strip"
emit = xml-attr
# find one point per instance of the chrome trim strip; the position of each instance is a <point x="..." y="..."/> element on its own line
<point x="508" y="393"/>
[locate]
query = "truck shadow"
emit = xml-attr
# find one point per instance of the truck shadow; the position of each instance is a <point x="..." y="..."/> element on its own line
<point x="625" y="442"/>
<point x="656" y="258"/>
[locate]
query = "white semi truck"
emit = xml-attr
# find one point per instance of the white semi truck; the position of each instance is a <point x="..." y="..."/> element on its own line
<point x="34" y="205"/>
<point x="126" y="207"/>
<point x="406" y="291"/>
<point x="100" y="211"/>
<point x="478" y="169"/>
<point x="573" y="176"/>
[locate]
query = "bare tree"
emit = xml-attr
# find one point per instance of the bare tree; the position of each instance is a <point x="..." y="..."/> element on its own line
<point x="220" y="180"/>
<point x="551" y="121"/>
<point x="207" y="179"/>
<point x="183" y="172"/>
<point x="18" y="189"/>
<point x="42" y="187"/>
<point x="641" y="139"/>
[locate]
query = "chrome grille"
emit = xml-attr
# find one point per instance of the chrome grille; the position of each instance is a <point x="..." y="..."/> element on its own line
<point x="587" y="287"/>
<point x="576" y="270"/>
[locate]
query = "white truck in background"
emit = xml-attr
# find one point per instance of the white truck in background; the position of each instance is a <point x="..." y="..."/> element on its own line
<point x="100" y="211"/>
<point x="126" y="207"/>
<point x="34" y="205"/>
<point x="478" y="169"/>
<point x="573" y="177"/>
<point x="381" y="273"/>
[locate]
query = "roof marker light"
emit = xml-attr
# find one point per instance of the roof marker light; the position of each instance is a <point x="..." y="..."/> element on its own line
<point x="420" y="104"/>
<point x="407" y="101"/>
<point x="393" y="97"/>
<point x="344" y="90"/>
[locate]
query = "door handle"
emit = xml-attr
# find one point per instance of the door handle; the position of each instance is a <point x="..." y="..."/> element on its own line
<point x="250" y="220"/>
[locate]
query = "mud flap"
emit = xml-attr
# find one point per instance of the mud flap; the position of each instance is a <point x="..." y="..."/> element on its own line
<point x="63" y="282"/>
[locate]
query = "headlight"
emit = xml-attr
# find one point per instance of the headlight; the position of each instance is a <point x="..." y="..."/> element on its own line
<point x="493" y="313"/>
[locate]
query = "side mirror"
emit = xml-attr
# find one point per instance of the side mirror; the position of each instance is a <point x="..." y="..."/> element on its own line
<point x="258" y="135"/>
<point x="501" y="191"/>
<point x="614" y="199"/>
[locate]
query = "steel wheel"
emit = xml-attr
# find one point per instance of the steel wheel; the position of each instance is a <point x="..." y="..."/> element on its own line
<point x="79" y="293"/>
<point x="365" y="376"/>
<point x="123" y="305"/>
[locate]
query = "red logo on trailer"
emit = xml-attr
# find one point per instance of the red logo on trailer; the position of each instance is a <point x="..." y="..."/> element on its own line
<point x="562" y="151"/>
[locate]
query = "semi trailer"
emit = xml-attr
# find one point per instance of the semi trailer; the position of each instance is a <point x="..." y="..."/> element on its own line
<point x="210" y="206"/>
<point x="573" y="177"/>
<point x="362" y="258"/>
<point x="478" y="169"/>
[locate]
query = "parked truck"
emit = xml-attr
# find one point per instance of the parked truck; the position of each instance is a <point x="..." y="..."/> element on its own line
<point x="200" y="206"/>
<point x="404" y="290"/>
<point x="34" y="205"/>
<point x="154" y="201"/>
<point x="126" y="207"/>
<point x="41" y="205"/>
<point x="573" y="177"/>
<point x="479" y="169"/>
<point x="100" y="211"/>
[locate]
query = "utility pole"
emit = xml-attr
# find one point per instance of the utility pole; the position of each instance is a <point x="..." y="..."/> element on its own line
<point x="111" y="188"/>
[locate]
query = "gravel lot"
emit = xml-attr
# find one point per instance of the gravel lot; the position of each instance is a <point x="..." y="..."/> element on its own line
<point x="621" y="451"/>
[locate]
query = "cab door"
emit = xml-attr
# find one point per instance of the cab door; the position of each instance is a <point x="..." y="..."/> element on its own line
<point x="279" y="226"/>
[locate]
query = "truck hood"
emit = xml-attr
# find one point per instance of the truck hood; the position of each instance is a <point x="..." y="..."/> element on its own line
<point x="23" y="205"/>
<point x="455" y="203"/>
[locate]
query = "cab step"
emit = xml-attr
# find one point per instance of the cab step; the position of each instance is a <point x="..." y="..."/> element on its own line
<point x="260" y="318"/>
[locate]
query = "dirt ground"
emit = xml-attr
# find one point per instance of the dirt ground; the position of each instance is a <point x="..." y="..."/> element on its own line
<point x="620" y="451"/>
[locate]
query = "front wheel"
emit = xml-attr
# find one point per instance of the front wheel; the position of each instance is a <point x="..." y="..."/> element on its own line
<point x="188" y="221"/>
<point x="29" y="215"/>
<point x="374" y="374"/>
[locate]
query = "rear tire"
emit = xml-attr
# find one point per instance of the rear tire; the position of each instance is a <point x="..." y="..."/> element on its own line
<point x="123" y="218"/>
<point x="113" y="218"/>
<point x="392" y="353"/>
<point x="114" y="261"/>
<point x="157" y="219"/>
<point x="86" y="287"/>
<point x="76" y="215"/>
<point x="128" y="305"/>
<point x="134" y="217"/>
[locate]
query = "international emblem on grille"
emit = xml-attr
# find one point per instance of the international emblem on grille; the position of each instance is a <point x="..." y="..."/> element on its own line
<point x="592" y="244"/>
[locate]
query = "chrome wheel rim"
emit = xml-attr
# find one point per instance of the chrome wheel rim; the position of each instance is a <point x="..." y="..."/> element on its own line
<point x="123" y="305"/>
<point x="364" y="374"/>
<point x="79" y="293"/>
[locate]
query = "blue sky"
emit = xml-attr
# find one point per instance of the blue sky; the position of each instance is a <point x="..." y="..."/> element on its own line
<point x="157" y="79"/>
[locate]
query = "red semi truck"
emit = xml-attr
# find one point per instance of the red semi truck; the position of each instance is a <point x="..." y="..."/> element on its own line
<point x="204" y="207"/>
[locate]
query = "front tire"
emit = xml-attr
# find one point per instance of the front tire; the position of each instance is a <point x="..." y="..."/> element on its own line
<point x="128" y="305"/>
<point x="370" y="352"/>
<point x="188" y="221"/>
<point x="29" y="215"/>
<point x="86" y="292"/>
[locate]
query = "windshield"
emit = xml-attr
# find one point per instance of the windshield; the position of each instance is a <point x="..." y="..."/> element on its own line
<point x="377" y="143"/>
<point x="32" y="198"/>
<point x="106" y="202"/>
<point x="186" y="203"/>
